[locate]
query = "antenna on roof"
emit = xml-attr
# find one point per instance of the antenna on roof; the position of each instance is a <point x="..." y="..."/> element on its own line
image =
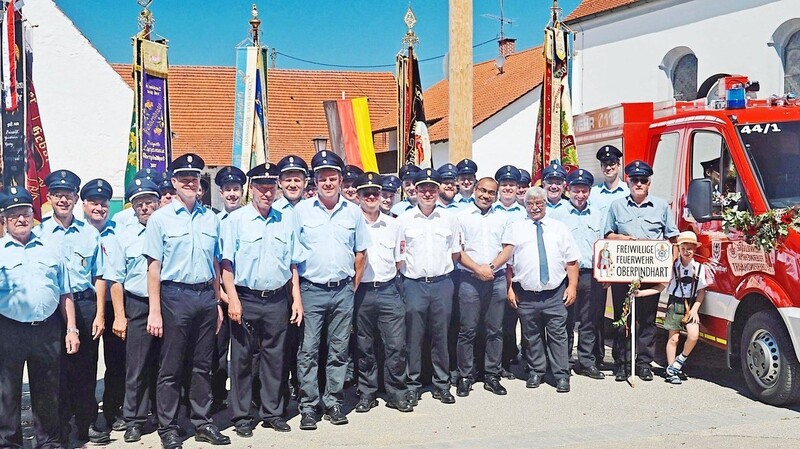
<point x="502" y="19"/>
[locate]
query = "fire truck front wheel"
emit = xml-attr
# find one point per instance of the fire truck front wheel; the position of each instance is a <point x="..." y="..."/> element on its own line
<point x="769" y="363"/>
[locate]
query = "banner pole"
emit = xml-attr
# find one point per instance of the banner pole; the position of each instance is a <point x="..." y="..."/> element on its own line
<point x="633" y="341"/>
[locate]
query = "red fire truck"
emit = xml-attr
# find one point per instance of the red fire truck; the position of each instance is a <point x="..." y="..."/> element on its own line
<point x="752" y="308"/>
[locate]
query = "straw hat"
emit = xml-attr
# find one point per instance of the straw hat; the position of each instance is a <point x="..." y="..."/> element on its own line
<point x="688" y="237"/>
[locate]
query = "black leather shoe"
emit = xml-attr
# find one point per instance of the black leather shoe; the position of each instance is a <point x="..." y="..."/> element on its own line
<point x="308" y="421"/>
<point x="244" y="429"/>
<point x="279" y="424"/>
<point x="98" y="437"/>
<point x="171" y="440"/>
<point x="621" y="374"/>
<point x="507" y="374"/>
<point x="401" y="405"/>
<point x="335" y="416"/>
<point x="132" y="434"/>
<point x="211" y="435"/>
<point x="492" y="383"/>
<point x="412" y="397"/>
<point x="590" y="372"/>
<point x="444" y="396"/>
<point x="562" y="386"/>
<point x="534" y="380"/>
<point x="645" y="374"/>
<point x="119" y="425"/>
<point x="463" y="387"/>
<point x="365" y="404"/>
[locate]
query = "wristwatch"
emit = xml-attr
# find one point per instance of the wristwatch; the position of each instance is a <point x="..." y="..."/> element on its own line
<point x="73" y="330"/>
<point x="491" y="266"/>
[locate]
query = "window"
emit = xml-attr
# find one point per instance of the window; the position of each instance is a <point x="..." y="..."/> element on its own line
<point x="684" y="78"/>
<point x="791" y="64"/>
<point x="664" y="167"/>
<point x="712" y="160"/>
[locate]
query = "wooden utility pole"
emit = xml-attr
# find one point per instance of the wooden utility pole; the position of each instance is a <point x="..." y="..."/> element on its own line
<point x="460" y="80"/>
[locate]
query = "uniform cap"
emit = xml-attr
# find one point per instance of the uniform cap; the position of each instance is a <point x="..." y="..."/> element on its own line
<point x="265" y="173"/>
<point x="326" y="159"/>
<point x="507" y="172"/>
<point x="14" y="196"/>
<point x="554" y="170"/>
<point x="427" y="176"/>
<point x="712" y="165"/>
<point x="351" y="173"/>
<point x="187" y="164"/>
<point x="139" y="187"/>
<point x="638" y="168"/>
<point x="408" y="171"/>
<point x="391" y="183"/>
<point x="97" y="188"/>
<point x="580" y="177"/>
<point x="230" y="174"/>
<point x="63" y="179"/>
<point x="165" y="182"/>
<point x="524" y="177"/>
<point x="147" y="173"/>
<point x="292" y="162"/>
<point x="367" y="180"/>
<point x="608" y="153"/>
<point x="448" y="171"/>
<point x="467" y="167"/>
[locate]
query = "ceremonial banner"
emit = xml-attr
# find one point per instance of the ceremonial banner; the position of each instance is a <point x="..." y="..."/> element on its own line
<point x="350" y="131"/>
<point x="250" y="142"/>
<point x="555" y="136"/>
<point x="133" y="150"/>
<point x="13" y="111"/>
<point x="259" y="150"/>
<point x="625" y="261"/>
<point x="413" y="142"/>
<point x="154" y="129"/>
<point x="38" y="159"/>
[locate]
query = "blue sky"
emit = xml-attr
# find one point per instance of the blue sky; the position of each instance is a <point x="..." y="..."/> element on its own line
<point x="350" y="33"/>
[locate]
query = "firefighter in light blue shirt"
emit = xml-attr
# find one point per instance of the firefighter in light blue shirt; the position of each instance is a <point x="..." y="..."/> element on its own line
<point x="508" y="178"/>
<point x="259" y="271"/>
<point x="554" y="181"/>
<point x="181" y="243"/>
<point x="293" y="178"/>
<point x="448" y="189"/>
<point x="406" y="174"/>
<point x="467" y="172"/>
<point x="334" y="234"/>
<point x="585" y="223"/>
<point x="33" y="287"/>
<point x="126" y="216"/>
<point x="127" y="268"/>
<point x="82" y="251"/>
<point x="612" y="188"/>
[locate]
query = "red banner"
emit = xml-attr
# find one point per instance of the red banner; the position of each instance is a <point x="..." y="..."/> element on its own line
<point x="38" y="160"/>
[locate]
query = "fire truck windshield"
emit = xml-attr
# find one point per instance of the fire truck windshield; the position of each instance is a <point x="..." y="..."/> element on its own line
<point x="774" y="149"/>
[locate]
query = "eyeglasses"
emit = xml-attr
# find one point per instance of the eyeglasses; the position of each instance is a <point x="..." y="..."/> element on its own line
<point x="143" y="204"/>
<point x="16" y="215"/>
<point x="639" y="179"/>
<point x="609" y="163"/>
<point x="366" y="193"/>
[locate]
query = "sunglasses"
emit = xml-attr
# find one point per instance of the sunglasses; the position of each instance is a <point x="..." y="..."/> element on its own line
<point x="639" y="180"/>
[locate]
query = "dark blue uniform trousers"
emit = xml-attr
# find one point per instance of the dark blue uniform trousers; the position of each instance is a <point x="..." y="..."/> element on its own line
<point x="540" y="312"/>
<point x="428" y="308"/>
<point x="587" y="309"/>
<point x="481" y="302"/>
<point x="141" y="362"/>
<point x="263" y="330"/>
<point x="190" y="321"/>
<point x="40" y="347"/>
<point x="334" y="307"/>
<point x="381" y="315"/>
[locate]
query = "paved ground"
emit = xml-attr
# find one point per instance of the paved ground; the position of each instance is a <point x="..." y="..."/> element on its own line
<point x="711" y="410"/>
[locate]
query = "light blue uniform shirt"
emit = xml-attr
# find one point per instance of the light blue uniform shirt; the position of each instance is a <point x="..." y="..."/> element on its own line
<point x="513" y="213"/>
<point x="127" y="264"/>
<point x="108" y="238"/>
<point x="282" y="203"/>
<point x="187" y="244"/>
<point x="461" y="200"/>
<point x="80" y="247"/>
<point x="330" y="240"/>
<point x="32" y="279"/>
<point x="601" y="196"/>
<point x="586" y="227"/>
<point x="652" y="220"/>
<point x="551" y="207"/>
<point x="125" y="217"/>
<point x="453" y="206"/>
<point x="401" y="207"/>
<point x="261" y="250"/>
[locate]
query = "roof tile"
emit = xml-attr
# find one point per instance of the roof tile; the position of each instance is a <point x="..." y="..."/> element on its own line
<point x="590" y="7"/>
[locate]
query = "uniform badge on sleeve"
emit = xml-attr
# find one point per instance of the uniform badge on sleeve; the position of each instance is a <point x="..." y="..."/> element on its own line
<point x="403" y="247"/>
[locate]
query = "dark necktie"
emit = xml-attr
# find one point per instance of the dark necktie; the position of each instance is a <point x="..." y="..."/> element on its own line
<point x="544" y="273"/>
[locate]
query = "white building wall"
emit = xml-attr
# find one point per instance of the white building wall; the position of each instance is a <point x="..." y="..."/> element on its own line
<point x="618" y="54"/>
<point x="85" y="106"/>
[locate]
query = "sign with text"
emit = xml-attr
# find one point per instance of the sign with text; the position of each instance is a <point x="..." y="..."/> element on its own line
<point x="624" y="261"/>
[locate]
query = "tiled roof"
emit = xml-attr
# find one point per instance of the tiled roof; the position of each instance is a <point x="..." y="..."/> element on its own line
<point x="492" y="91"/>
<point x="202" y="102"/>
<point x="591" y="7"/>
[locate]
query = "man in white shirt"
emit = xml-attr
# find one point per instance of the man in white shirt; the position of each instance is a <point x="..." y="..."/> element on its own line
<point x="543" y="255"/>
<point x="427" y="249"/>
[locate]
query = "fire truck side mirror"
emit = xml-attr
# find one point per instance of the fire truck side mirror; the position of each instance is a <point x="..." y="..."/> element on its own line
<point x="700" y="200"/>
